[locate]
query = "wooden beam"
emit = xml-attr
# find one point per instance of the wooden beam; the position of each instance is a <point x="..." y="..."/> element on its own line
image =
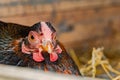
<point x="18" y="73"/>
<point x="28" y="8"/>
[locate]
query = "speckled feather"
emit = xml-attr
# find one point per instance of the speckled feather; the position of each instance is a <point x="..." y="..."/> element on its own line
<point x="11" y="36"/>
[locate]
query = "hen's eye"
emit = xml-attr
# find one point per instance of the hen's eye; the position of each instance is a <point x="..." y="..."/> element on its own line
<point x="32" y="37"/>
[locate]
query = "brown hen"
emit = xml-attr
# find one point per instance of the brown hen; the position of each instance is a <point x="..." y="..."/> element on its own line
<point x="34" y="47"/>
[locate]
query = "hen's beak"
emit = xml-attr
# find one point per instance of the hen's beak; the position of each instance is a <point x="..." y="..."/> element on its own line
<point x="47" y="46"/>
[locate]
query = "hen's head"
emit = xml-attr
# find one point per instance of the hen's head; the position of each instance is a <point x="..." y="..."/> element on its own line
<point x="42" y="37"/>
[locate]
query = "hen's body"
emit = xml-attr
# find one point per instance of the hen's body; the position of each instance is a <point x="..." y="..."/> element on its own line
<point x="11" y="36"/>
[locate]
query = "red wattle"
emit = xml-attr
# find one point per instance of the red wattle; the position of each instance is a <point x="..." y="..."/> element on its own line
<point x="37" y="56"/>
<point x="53" y="57"/>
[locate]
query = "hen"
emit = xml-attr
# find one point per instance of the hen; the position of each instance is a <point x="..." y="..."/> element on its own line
<point x="34" y="47"/>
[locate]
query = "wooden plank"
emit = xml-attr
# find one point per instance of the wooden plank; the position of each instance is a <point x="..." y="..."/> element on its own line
<point x="13" y="7"/>
<point x="18" y="73"/>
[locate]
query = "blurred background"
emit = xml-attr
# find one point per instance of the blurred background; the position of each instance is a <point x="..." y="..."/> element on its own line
<point x="80" y="24"/>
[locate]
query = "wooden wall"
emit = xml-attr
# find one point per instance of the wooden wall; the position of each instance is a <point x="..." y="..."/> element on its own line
<point x="75" y="20"/>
